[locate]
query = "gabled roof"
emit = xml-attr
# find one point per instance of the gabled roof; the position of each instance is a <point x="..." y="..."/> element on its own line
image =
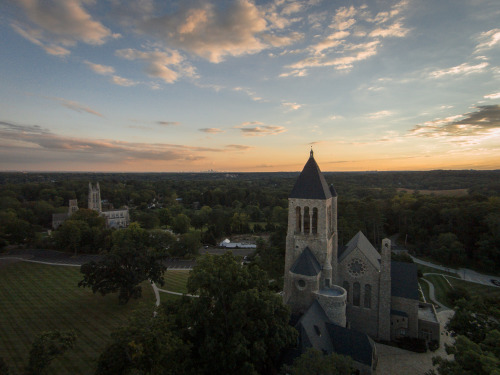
<point x="349" y="342"/>
<point x="404" y="281"/>
<point x="311" y="184"/>
<point x="313" y="330"/>
<point x="306" y="264"/>
<point x="317" y="331"/>
<point x="360" y="242"/>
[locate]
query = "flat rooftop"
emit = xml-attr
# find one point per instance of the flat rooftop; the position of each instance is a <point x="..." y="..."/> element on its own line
<point x="426" y="312"/>
<point x="331" y="292"/>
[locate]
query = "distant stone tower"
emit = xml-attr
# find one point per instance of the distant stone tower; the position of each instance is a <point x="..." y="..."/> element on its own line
<point x="384" y="313"/>
<point x="73" y="207"/>
<point x="311" y="242"/>
<point x="95" y="198"/>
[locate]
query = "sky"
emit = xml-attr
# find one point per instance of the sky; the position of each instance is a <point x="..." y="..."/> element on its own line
<point x="243" y="85"/>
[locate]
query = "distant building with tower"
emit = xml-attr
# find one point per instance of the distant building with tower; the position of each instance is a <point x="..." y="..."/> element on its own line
<point x="344" y="299"/>
<point x="114" y="218"/>
<point x="58" y="219"/>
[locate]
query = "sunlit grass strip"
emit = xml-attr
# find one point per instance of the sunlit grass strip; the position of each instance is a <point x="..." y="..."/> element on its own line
<point x="36" y="298"/>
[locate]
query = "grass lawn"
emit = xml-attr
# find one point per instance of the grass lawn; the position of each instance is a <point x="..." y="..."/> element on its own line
<point x="175" y="281"/>
<point x="37" y="298"/>
<point x="441" y="287"/>
<point x="476" y="289"/>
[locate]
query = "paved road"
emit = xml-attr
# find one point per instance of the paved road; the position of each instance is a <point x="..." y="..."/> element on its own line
<point x="67" y="259"/>
<point x="464" y="273"/>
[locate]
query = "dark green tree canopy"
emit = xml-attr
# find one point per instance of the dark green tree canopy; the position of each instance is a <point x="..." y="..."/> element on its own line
<point x="127" y="265"/>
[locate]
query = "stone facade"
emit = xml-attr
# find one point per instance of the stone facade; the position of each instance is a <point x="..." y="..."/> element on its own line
<point x="358" y="288"/>
<point x="114" y="218"/>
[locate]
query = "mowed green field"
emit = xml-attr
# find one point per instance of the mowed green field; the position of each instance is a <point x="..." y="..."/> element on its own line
<point x="175" y="281"/>
<point x="35" y="298"/>
<point x="442" y="285"/>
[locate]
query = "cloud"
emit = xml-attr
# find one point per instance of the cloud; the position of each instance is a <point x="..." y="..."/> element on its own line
<point x="212" y="32"/>
<point x="357" y="35"/>
<point x="484" y="123"/>
<point x="291" y="106"/>
<point x="100" y="69"/>
<point x="168" y="66"/>
<point x="34" y="37"/>
<point x="77" y="107"/>
<point x="120" y="81"/>
<point x="168" y="123"/>
<point x="492" y="96"/>
<point x="295" y="73"/>
<point x="239" y="147"/>
<point x="211" y="130"/>
<point x="38" y="142"/>
<point x="394" y="30"/>
<point x="109" y="70"/>
<point x="58" y="23"/>
<point x="488" y="40"/>
<point x="250" y="130"/>
<point x="463" y="69"/>
<point x="379" y="114"/>
<point x="249" y="92"/>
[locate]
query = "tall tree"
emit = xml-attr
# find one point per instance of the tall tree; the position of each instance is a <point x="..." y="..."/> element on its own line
<point x="45" y="348"/>
<point x="237" y="325"/>
<point x="314" y="362"/>
<point x="129" y="263"/>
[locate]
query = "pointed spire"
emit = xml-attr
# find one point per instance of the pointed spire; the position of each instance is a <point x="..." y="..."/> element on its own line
<point x="311" y="183"/>
<point x="311" y="153"/>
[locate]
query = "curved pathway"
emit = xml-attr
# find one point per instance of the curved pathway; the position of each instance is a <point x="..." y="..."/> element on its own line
<point x="432" y="295"/>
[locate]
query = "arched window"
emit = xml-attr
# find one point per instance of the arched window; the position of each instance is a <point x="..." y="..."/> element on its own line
<point x="345" y="285"/>
<point x="307" y="220"/>
<point x="356" y="293"/>
<point x="368" y="296"/>
<point x="315" y="221"/>
<point x="298" y="220"/>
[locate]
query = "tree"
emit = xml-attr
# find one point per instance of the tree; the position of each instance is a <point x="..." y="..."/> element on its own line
<point x="476" y="326"/>
<point x="147" y="346"/>
<point x="129" y="263"/>
<point x="237" y="325"/>
<point x="45" y="348"/>
<point x="181" y="224"/>
<point x="314" y="362"/>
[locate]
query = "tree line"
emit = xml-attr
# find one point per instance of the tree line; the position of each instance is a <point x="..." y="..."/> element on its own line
<point x="203" y="208"/>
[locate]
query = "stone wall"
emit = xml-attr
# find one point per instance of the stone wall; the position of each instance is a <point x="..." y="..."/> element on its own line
<point x="358" y="317"/>
<point x="333" y="301"/>
<point x="410" y="307"/>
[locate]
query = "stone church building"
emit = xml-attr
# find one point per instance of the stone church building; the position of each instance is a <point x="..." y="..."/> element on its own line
<point x="346" y="298"/>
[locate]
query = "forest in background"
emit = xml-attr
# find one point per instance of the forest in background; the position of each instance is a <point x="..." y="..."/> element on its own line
<point x="202" y="208"/>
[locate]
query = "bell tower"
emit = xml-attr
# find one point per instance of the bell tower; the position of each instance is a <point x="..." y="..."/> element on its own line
<point x="311" y="242"/>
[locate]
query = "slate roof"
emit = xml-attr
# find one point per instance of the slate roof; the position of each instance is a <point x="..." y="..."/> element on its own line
<point x="317" y="331"/>
<point x="355" y="344"/>
<point x="306" y="264"/>
<point x="311" y="183"/>
<point x="404" y="282"/>
<point x="359" y="241"/>
<point x="310" y="336"/>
